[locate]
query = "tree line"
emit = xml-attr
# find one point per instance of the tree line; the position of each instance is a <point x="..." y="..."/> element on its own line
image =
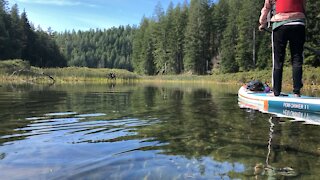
<point x="20" y="40"/>
<point x="195" y="38"/>
<point x="111" y="48"/>
<point x="202" y="36"/>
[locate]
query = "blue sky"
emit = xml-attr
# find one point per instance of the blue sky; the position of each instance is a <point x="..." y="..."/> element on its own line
<point x="63" y="15"/>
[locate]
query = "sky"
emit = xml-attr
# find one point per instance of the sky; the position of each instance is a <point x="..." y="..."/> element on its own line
<point x="61" y="15"/>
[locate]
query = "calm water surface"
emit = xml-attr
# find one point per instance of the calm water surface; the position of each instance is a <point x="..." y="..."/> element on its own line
<point x="148" y="132"/>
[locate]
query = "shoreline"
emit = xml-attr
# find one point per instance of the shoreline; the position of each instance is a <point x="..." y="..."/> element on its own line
<point x="20" y="72"/>
<point x="182" y="79"/>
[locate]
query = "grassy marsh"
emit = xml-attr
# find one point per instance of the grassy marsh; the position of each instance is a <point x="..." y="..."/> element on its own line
<point x="18" y="71"/>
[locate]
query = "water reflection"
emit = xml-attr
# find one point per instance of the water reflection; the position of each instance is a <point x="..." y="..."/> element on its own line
<point x="147" y="132"/>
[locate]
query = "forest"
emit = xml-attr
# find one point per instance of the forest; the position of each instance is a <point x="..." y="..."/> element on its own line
<point x="20" y="40"/>
<point x="111" y="48"/>
<point x="196" y="37"/>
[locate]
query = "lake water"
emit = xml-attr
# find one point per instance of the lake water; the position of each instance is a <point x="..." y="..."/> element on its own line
<point x="145" y="131"/>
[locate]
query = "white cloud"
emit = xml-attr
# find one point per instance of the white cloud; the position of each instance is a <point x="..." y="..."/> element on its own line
<point x="58" y="2"/>
<point x="99" y="22"/>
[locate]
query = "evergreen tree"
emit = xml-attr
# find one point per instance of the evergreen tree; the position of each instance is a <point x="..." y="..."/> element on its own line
<point x="4" y="34"/>
<point x="220" y="19"/>
<point x="30" y="37"/>
<point x="137" y="48"/>
<point x="219" y="24"/>
<point x="147" y="52"/>
<point x="170" y="39"/>
<point x="180" y="24"/>
<point x="246" y="42"/>
<point x="160" y="38"/>
<point x="229" y="41"/>
<point x="18" y="40"/>
<point x="264" y="51"/>
<point x="313" y="35"/>
<point x="143" y="59"/>
<point x="16" y="44"/>
<point x="185" y="38"/>
<point x="198" y="37"/>
<point x="110" y="48"/>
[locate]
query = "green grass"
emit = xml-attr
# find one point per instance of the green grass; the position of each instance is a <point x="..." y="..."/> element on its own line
<point x="19" y="71"/>
<point x="83" y="74"/>
<point x="10" y="66"/>
<point x="311" y="77"/>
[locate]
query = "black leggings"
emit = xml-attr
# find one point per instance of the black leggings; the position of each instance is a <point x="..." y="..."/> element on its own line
<point x="295" y="35"/>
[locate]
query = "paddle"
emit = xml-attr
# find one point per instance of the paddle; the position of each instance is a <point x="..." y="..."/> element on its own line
<point x="316" y="52"/>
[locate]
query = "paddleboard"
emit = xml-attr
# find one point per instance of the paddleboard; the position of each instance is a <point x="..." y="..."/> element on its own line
<point x="305" y="108"/>
<point x="265" y="101"/>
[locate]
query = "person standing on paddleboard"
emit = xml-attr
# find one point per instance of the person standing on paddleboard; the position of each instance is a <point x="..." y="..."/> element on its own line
<point x="288" y="25"/>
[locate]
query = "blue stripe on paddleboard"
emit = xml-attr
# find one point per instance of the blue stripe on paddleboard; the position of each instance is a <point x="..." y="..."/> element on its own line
<point x="294" y="106"/>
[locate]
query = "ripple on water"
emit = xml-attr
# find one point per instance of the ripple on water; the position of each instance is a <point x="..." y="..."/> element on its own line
<point x="61" y="114"/>
<point x="78" y="128"/>
<point x="91" y="115"/>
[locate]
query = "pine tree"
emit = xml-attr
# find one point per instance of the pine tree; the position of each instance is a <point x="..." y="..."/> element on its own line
<point x="313" y="35"/>
<point x="30" y="40"/>
<point x="180" y="24"/>
<point x="160" y="38"/>
<point x="16" y="44"/>
<point x="148" y="49"/>
<point x="220" y="18"/>
<point x="229" y="41"/>
<point x="264" y="51"/>
<point x="143" y="59"/>
<point x="198" y="37"/>
<point x="170" y="39"/>
<point x="4" y="33"/>
<point x="247" y="26"/>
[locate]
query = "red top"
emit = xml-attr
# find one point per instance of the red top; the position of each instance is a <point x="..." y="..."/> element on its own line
<point x="288" y="6"/>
